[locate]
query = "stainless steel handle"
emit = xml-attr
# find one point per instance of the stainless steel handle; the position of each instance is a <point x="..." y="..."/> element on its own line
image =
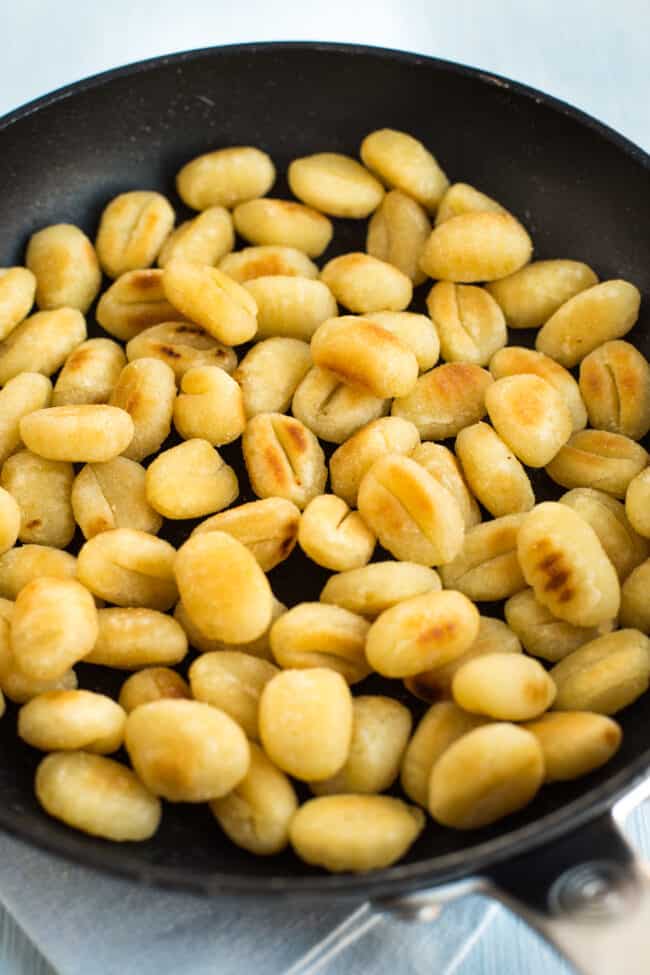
<point x="603" y="919"/>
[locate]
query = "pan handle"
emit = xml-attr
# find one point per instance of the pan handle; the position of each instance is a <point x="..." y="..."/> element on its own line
<point x="588" y="894"/>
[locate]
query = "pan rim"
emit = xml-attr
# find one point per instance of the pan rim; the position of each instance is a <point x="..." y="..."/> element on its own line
<point x="441" y="64"/>
<point x="400" y="878"/>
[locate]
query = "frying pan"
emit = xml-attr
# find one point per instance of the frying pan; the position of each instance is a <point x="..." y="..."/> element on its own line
<point x="584" y="192"/>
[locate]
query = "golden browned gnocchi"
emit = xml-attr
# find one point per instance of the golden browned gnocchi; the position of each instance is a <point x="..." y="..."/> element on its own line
<point x="469" y="322"/>
<point x="402" y="161"/>
<point x="17" y="290"/>
<point x="422" y="633"/>
<point x="381" y="728"/>
<point x="485" y="775"/>
<point x="270" y="373"/>
<point x="132" y="229"/>
<point x="133" y="637"/>
<point x="58" y="721"/>
<point x="53" y="625"/>
<point x="152" y="684"/>
<point x="412" y="515"/>
<point x="21" y="395"/>
<point x="397" y="232"/>
<point x="66" y="268"/>
<point x="133" y="303"/>
<point x="233" y="606"/>
<point x="348" y="464"/>
<point x="15" y="684"/>
<point x="463" y="198"/>
<point x="283" y="459"/>
<point x="529" y="297"/>
<point x="41" y="343"/>
<point x="494" y="636"/>
<point x="305" y="722"/>
<point x="129" y="568"/>
<point x="440" y="462"/>
<point x="503" y="686"/>
<point x="225" y="177"/>
<point x="637" y="502"/>
<point x="416" y="331"/>
<point x="515" y="360"/>
<point x="23" y="564"/>
<point x="211" y="299"/>
<point x="353" y="832"/>
<point x="41" y="489"/>
<point x="598" y="459"/>
<point x="575" y="743"/>
<point x="112" y="495"/>
<point x="598" y="314"/>
<point x="362" y="353"/>
<point x="146" y="390"/>
<point x="487" y="566"/>
<point x="257" y="814"/>
<point x="204" y="240"/>
<point x="334" y="536"/>
<point x="378" y="586"/>
<point x="268" y="528"/>
<point x="443" y="724"/>
<point x="604" y="675"/>
<point x="493" y="473"/>
<point x="232" y="681"/>
<point x="615" y="385"/>
<point x="285" y="223"/>
<point x="88" y="433"/>
<point x="320" y="635"/>
<point x="190" y="480"/>
<point x="259" y="647"/>
<point x="445" y="399"/>
<point x="363" y="283"/>
<point x="476" y="246"/>
<point x="97" y="795"/>
<point x="182" y="346"/>
<point x="10" y="520"/>
<point x="635" y="607"/>
<point x="335" y="184"/>
<point x="89" y="373"/>
<point x="331" y="408"/>
<point x="530" y="416"/>
<point x="210" y="407"/>
<point x="186" y="751"/>
<point x="262" y="261"/>
<point x="290" y="306"/>
<point x="544" y="635"/>
<point x="623" y="547"/>
<point x="563" y="560"/>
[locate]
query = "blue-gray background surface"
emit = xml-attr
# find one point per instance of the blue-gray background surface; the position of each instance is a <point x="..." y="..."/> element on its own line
<point x="592" y="53"/>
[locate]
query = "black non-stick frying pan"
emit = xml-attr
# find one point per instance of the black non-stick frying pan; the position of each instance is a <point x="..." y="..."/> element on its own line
<point x="584" y="193"/>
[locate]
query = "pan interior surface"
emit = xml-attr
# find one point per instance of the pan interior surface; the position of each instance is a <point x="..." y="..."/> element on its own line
<point x="581" y="192"/>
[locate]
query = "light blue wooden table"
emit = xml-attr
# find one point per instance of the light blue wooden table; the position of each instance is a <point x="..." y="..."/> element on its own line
<point x="592" y="53"/>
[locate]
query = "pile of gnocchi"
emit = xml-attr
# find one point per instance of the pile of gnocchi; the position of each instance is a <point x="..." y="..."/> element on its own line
<point x="333" y="355"/>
